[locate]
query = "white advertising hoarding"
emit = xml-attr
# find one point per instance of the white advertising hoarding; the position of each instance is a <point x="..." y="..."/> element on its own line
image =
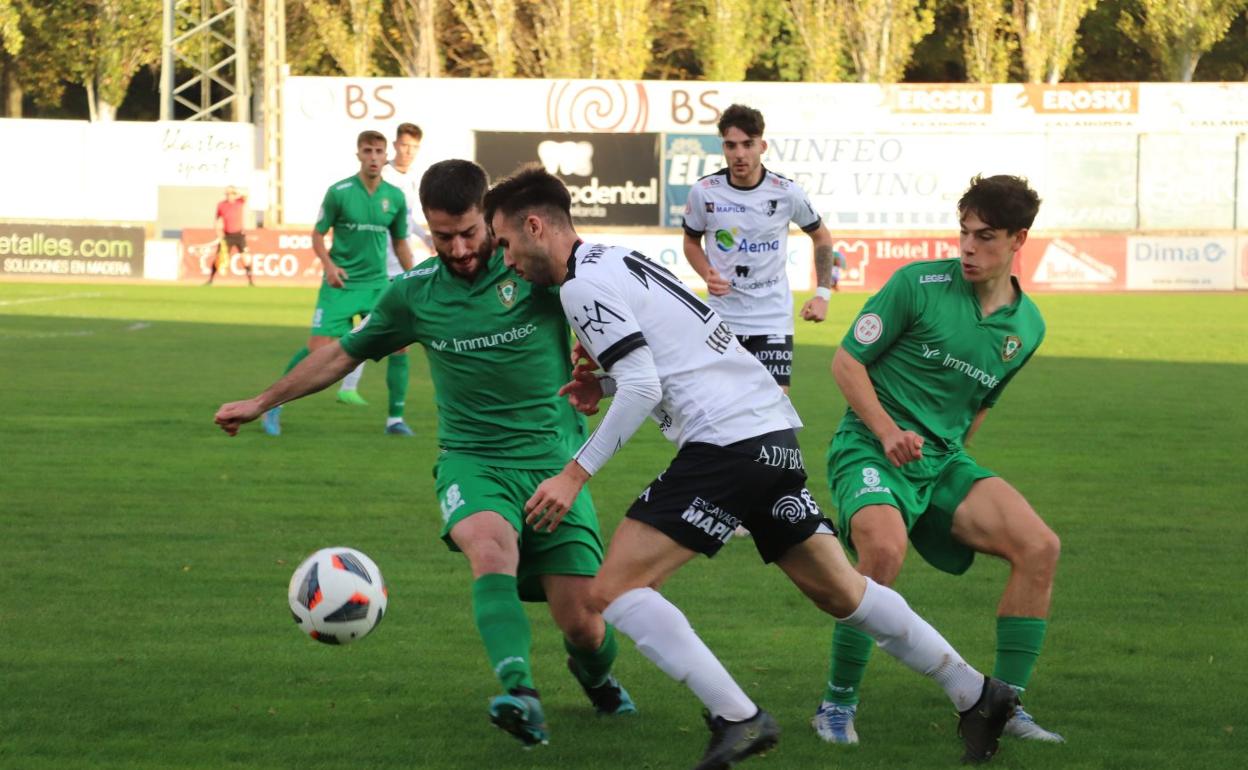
<point x="111" y="171"/>
<point x="1241" y="271"/>
<point x="1181" y="264"/>
<point x="1187" y="181"/>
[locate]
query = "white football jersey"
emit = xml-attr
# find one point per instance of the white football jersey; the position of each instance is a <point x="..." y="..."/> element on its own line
<point x="714" y="391"/>
<point x="747" y="240"/>
<point x="409" y="183"/>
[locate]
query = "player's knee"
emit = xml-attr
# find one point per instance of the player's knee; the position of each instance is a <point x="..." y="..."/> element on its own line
<point x="586" y="631"/>
<point x="1045" y="550"/>
<point x="881" y="558"/>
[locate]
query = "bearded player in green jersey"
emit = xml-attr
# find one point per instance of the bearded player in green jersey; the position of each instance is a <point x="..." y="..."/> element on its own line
<point x="498" y="351"/>
<point x="924" y="361"/>
<point x="366" y="214"/>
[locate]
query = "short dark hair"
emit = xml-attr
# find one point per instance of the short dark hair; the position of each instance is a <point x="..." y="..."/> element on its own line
<point x="409" y="129"/>
<point x="369" y="137"/>
<point x="1002" y="201"/>
<point x="453" y="186"/>
<point x="748" y="119"/>
<point x="530" y="187"/>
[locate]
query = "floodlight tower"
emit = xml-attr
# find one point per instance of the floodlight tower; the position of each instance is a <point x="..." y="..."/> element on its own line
<point x="205" y="43"/>
<point x="275" y="71"/>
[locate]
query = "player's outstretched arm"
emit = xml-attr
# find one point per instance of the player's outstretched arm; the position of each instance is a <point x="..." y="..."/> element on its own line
<point x="900" y="446"/>
<point x="322" y="368"/>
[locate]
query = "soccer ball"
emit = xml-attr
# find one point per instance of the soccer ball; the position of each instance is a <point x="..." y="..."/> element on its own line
<point x="337" y="595"/>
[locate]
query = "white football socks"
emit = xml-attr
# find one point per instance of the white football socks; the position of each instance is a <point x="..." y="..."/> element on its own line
<point x="352" y="380"/>
<point x="885" y="616"/>
<point x="662" y="633"/>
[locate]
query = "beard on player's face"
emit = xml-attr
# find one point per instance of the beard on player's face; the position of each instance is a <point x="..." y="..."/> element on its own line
<point x="468" y="264"/>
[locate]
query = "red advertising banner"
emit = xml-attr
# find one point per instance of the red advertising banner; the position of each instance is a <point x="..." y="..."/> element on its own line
<point x="1044" y="264"/>
<point x="277" y="257"/>
<point x="1073" y="264"/>
<point x="870" y="262"/>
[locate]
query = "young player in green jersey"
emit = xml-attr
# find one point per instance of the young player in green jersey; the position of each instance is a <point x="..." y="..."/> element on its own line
<point x="924" y="361"/>
<point x="498" y="351"/>
<point x="366" y="213"/>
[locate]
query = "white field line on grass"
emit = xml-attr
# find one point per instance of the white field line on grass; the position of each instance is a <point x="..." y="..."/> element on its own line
<point x="57" y="298"/>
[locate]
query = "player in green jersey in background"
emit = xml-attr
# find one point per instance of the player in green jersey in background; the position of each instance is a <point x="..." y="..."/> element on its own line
<point x="366" y="213"/>
<point x="922" y="364"/>
<point x="499" y="351"/>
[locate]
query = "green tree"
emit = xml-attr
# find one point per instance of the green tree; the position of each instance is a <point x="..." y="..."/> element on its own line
<point x="411" y="36"/>
<point x="491" y="25"/>
<point x="821" y="31"/>
<point x="882" y="35"/>
<point x="11" y="39"/>
<point x="729" y="35"/>
<point x="98" y="44"/>
<point x="1047" y="32"/>
<point x="349" y="29"/>
<point x="1176" y="33"/>
<point x="987" y="43"/>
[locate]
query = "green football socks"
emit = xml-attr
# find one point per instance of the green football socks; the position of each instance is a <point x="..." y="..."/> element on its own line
<point x="396" y="383"/>
<point x="504" y="629"/>
<point x="1018" y="645"/>
<point x="594" y="665"/>
<point x="851" y="650"/>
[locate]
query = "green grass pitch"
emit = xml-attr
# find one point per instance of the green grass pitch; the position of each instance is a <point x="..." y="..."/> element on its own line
<point x="143" y="619"/>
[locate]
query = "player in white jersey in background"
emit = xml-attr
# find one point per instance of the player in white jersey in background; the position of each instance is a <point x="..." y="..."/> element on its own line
<point x="400" y="173"/>
<point x="670" y="356"/>
<point x="743" y="212"/>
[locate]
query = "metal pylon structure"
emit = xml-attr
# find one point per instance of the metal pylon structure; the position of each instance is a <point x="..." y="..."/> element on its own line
<point x="275" y="71"/>
<point x="207" y="40"/>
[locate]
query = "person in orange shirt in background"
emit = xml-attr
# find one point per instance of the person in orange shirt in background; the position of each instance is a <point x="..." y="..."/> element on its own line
<point x="229" y="224"/>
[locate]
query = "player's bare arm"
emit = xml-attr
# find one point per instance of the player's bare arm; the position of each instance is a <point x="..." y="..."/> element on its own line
<point x="403" y="251"/>
<point x="715" y="283"/>
<point x="816" y="308"/>
<point x="335" y="276"/>
<point x="900" y="446"/>
<point x="322" y="368"/>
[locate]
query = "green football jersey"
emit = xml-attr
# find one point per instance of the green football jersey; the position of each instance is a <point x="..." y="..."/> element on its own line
<point x="498" y="352"/>
<point x="361" y="223"/>
<point x="933" y="358"/>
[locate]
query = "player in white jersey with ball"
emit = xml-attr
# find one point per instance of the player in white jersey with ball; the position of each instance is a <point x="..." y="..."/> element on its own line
<point x="743" y="213"/>
<point x="669" y="356"/>
<point x="401" y="173"/>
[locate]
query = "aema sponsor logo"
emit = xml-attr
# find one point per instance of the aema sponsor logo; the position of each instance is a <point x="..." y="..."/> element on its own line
<point x="726" y="241"/>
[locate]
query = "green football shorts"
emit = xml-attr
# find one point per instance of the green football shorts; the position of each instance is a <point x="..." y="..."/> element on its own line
<point x="926" y="492"/>
<point x="467" y="485"/>
<point x="336" y="309"/>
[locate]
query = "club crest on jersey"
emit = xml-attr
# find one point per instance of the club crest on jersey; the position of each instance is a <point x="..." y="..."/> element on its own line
<point x="385" y="205"/>
<point x="1010" y="348"/>
<point x="506" y="292"/>
<point x="771" y="206"/>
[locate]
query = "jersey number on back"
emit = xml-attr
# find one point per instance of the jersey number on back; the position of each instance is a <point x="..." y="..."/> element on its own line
<point x="645" y="271"/>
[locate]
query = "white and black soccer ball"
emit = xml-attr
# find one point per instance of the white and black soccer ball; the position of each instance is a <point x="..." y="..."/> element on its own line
<point x="337" y="595"/>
